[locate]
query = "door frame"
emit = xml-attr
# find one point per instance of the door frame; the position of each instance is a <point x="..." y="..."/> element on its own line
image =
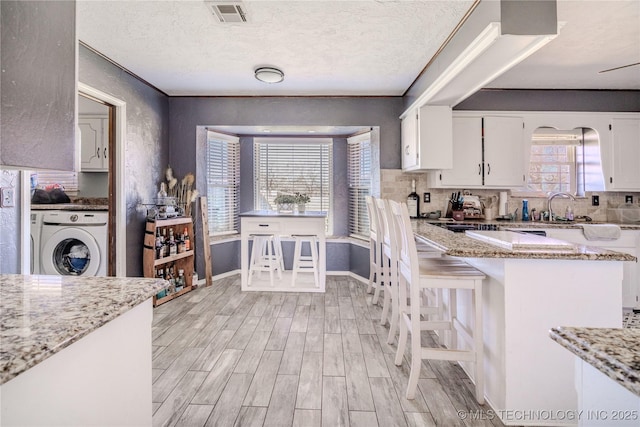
<point x="117" y="203"/>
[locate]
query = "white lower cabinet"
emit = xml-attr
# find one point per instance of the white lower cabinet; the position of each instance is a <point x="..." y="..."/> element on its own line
<point x="629" y="243"/>
<point x="94" y="149"/>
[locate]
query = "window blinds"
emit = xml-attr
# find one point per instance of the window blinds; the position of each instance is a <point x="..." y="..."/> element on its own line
<point x="223" y="182"/>
<point x="68" y="180"/>
<point x="359" y="175"/>
<point x="285" y="165"/>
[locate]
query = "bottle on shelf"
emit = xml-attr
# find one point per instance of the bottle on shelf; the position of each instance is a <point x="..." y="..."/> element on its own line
<point x="187" y="240"/>
<point x="180" y="282"/>
<point x="165" y="243"/>
<point x="413" y="201"/>
<point x="525" y="210"/>
<point x="159" y="245"/>
<point x="173" y="247"/>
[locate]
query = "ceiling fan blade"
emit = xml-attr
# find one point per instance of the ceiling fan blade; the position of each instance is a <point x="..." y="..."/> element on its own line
<point x="617" y="68"/>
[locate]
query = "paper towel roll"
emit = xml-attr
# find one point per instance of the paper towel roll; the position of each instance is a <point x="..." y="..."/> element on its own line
<point x="503" y="205"/>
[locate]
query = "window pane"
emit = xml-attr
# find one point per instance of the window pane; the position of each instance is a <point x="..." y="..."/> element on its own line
<point x="290" y="168"/>
<point x="223" y="183"/>
<point x="359" y="174"/>
<point x="552" y="168"/>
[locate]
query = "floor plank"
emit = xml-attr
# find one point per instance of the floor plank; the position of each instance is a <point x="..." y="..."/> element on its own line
<point x="335" y="410"/>
<point x="224" y="357"/>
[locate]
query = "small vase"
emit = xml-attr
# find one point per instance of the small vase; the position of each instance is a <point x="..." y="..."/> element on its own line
<point x="301" y="207"/>
<point x="285" y="207"/>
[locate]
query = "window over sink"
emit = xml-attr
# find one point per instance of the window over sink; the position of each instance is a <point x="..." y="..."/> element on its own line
<point x="563" y="161"/>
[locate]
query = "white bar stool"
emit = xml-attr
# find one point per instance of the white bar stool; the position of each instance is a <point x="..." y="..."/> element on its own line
<point x="266" y="255"/>
<point x="305" y="263"/>
<point x="375" y="250"/>
<point x="440" y="275"/>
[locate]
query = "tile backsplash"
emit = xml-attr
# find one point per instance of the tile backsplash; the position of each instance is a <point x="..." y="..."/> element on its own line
<point x="396" y="185"/>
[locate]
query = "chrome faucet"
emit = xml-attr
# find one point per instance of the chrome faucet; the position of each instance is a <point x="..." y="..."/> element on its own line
<point x="553" y="196"/>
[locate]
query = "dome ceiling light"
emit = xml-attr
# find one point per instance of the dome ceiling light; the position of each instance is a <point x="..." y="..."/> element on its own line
<point x="269" y="75"/>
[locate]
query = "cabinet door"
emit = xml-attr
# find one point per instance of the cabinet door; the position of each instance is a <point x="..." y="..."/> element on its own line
<point x="409" y="136"/>
<point x="504" y="151"/>
<point x="435" y="138"/>
<point x="467" y="154"/>
<point x="94" y="144"/>
<point x="625" y="137"/>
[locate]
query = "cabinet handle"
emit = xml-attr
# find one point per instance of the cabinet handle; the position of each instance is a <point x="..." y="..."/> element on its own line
<point x="105" y="152"/>
<point x="479" y="169"/>
<point x="263" y="225"/>
<point x="488" y="168"/>
<point x="98" y="152"/>
<point x="406" y="150"/>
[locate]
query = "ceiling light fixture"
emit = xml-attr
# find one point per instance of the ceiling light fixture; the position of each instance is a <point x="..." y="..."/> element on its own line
<point x="269" y="75"/>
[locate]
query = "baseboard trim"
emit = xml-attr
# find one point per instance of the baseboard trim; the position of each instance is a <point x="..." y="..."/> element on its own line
<point x="223" y="275"/>
<point x="329" y="273"/>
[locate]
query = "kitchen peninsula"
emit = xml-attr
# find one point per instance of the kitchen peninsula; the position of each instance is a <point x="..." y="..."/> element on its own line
<point x="527" y="292"/>
<point x="76" y="350"/>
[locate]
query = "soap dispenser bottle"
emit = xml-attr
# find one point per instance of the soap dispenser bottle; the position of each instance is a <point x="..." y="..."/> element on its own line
<point x="525" y="210"/>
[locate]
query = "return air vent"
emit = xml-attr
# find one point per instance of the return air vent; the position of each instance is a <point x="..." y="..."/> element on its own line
<point x="227" y="11"/>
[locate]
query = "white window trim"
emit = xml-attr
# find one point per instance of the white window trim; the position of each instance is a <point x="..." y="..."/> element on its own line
<point x="228" y="139"/>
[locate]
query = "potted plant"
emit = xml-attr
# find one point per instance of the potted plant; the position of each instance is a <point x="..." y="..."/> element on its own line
<point x="301" y="200"/>
<point x="285" y="202"/>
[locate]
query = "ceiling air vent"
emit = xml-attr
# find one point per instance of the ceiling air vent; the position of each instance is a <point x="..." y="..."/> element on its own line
<point x="228" y="11"/>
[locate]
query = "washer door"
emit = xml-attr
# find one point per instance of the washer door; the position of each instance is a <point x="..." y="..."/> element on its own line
<point x="55" y="253"/>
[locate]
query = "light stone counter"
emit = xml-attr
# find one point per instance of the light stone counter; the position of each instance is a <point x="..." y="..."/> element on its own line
<point x="460" y="245"/>
<point x="41" y="315"/>
<point x="614" y="352"/>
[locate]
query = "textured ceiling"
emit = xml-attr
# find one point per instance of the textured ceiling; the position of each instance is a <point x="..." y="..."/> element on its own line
<point x="323" y="47"/>
<point x="598" y="35"/>
<point x="363" y="47"/>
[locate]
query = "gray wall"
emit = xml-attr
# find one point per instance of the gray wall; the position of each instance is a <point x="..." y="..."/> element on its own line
<point x="38" y="55"/>
<point x="146" y="151"/>
<point x="552" y="100"/>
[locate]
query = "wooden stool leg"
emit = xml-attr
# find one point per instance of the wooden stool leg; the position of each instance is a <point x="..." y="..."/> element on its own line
<point x="314" y="259"/>
<point x="478" y="337"/>
<point x="297" y="250"/>
<point x="453" y="314"/>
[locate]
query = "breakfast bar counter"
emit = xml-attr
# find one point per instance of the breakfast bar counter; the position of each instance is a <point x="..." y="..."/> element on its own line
<point x="529" y="290"/>
<point x="68" y="344"/>
<point x="280" y="224"/>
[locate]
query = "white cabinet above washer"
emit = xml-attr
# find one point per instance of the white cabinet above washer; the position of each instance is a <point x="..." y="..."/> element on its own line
<point x="94" y="150"/>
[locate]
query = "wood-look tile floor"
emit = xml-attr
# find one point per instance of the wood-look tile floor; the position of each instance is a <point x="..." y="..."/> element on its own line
<point x="222" y="357"/>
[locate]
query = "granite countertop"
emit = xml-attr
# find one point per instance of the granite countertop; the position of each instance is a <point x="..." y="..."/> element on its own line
<point x="529" y="224"/>
<point x="460" y="245"/>
<point x="615" y="352"/>
<point x="276" y="214"/>
<point x="41" y="315"/>
<point x="69" y="207"/>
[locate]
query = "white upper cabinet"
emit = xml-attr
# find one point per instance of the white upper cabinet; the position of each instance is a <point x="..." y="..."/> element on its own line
<point x="94" y="151"/>
<point x="427" y="138"/>
<point x="467" y="154"/>
<point x="488" y="151"/>
<point x="503" y="151"/>
<point x="625" y="153"/>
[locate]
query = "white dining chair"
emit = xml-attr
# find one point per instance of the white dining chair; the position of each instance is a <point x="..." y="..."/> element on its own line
<point x="446" y="274"/>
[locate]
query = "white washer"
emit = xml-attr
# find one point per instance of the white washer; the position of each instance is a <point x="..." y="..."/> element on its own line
<point x="36" y="231"/>
<point x="69" y="232"/>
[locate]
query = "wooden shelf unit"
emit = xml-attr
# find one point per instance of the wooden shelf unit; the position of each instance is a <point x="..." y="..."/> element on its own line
<point x="183" y="260"/>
